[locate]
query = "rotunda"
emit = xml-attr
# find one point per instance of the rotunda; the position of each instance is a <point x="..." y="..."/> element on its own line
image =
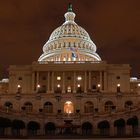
<point x="69" y="42"/>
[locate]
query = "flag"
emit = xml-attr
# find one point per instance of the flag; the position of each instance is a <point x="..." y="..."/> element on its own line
<point x="74" y="55"/>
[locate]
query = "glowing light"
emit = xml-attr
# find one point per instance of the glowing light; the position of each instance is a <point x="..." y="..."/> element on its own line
<point x="68" y="102"/>
<point x="58" y="85"/>
<point x="58" y="78"/>
<point x="79" y="78"/>
<point x="99" y="85"/>
<point x="118" y="85"/>
<point x="38" y="86"/>
<point x="18" y="86"/>
<point x="64" y="59"/>
<point x="139" y="85"/>
<point x="78" y="85"/>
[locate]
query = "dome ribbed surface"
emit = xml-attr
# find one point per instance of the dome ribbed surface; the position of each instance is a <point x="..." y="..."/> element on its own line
<point x="69" y="42"/>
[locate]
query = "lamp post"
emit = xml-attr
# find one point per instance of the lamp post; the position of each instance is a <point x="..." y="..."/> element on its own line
<point x="118" y="88"/>
<point x="18" y="88"/>
<point x="38" y="88"/>
<point x="98" y="87"/>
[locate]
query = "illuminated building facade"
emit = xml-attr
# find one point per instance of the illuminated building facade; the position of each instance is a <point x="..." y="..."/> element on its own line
<point x="70" y="90"/>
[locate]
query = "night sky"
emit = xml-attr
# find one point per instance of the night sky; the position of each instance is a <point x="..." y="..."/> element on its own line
<point x="113" y="25"/>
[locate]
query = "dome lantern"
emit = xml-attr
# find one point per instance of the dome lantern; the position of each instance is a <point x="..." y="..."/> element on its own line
<point x="70" y="15"/>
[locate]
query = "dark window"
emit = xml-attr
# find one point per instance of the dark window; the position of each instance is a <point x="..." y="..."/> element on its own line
<point x="69" y="78"/>
<point x="118" y="77"/>
<point x="20" y="78"/>
<point x="44" y="78"/>
<point x="94" y="87"/>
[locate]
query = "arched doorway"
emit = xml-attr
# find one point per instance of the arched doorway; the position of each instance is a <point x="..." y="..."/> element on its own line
<point x="133" y="122"/>
<point x="32" y="128"/>
<point x="120" y="124"/>
<point x="87" y="128"/>
<point x="68" y="107"/>
<point x="50" y="128"/>
<point x="104" y="128"/>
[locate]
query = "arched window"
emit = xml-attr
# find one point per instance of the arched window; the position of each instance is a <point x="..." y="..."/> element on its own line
<point x="28" y="107"/>
<point x="48" y="107"/>
<point x="68" y="107"/>
<point x="88" y="107"/>
<point x="128" y="104"/>
<point x="108" y="106"/>
<point x="8" y="105"/>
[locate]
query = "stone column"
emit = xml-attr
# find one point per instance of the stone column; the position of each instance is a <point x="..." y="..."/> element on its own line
<point x="128" y="130"/>
<point x="63" y="83"/>
<point x="37" y="80"/>
<point x="48" y="80"/>
<point x="52" y="90"/>
<point x="105" y="80"/>
<point x="33" y="81"/>
<point x="101" y="83"/>
<point x="89" y="78"/>
<point x="112" y="129"/>
<point x="74" y="86"/>
<point x="85" y="83"/>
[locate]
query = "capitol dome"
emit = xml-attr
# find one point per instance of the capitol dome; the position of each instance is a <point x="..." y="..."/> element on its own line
<point x="69" y="42"/>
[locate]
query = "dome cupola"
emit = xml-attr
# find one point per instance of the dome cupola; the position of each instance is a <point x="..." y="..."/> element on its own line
<point x="69" y="42"/>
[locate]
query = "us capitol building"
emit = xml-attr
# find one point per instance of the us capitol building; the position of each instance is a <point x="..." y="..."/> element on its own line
<point x="70" y="90"/>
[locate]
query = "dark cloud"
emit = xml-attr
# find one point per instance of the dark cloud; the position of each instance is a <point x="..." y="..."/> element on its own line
<point x="112" y="24"/>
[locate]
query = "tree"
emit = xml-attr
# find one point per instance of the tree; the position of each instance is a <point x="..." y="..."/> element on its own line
<point x="33" y="127"/>
<point x="17" y="125"/>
